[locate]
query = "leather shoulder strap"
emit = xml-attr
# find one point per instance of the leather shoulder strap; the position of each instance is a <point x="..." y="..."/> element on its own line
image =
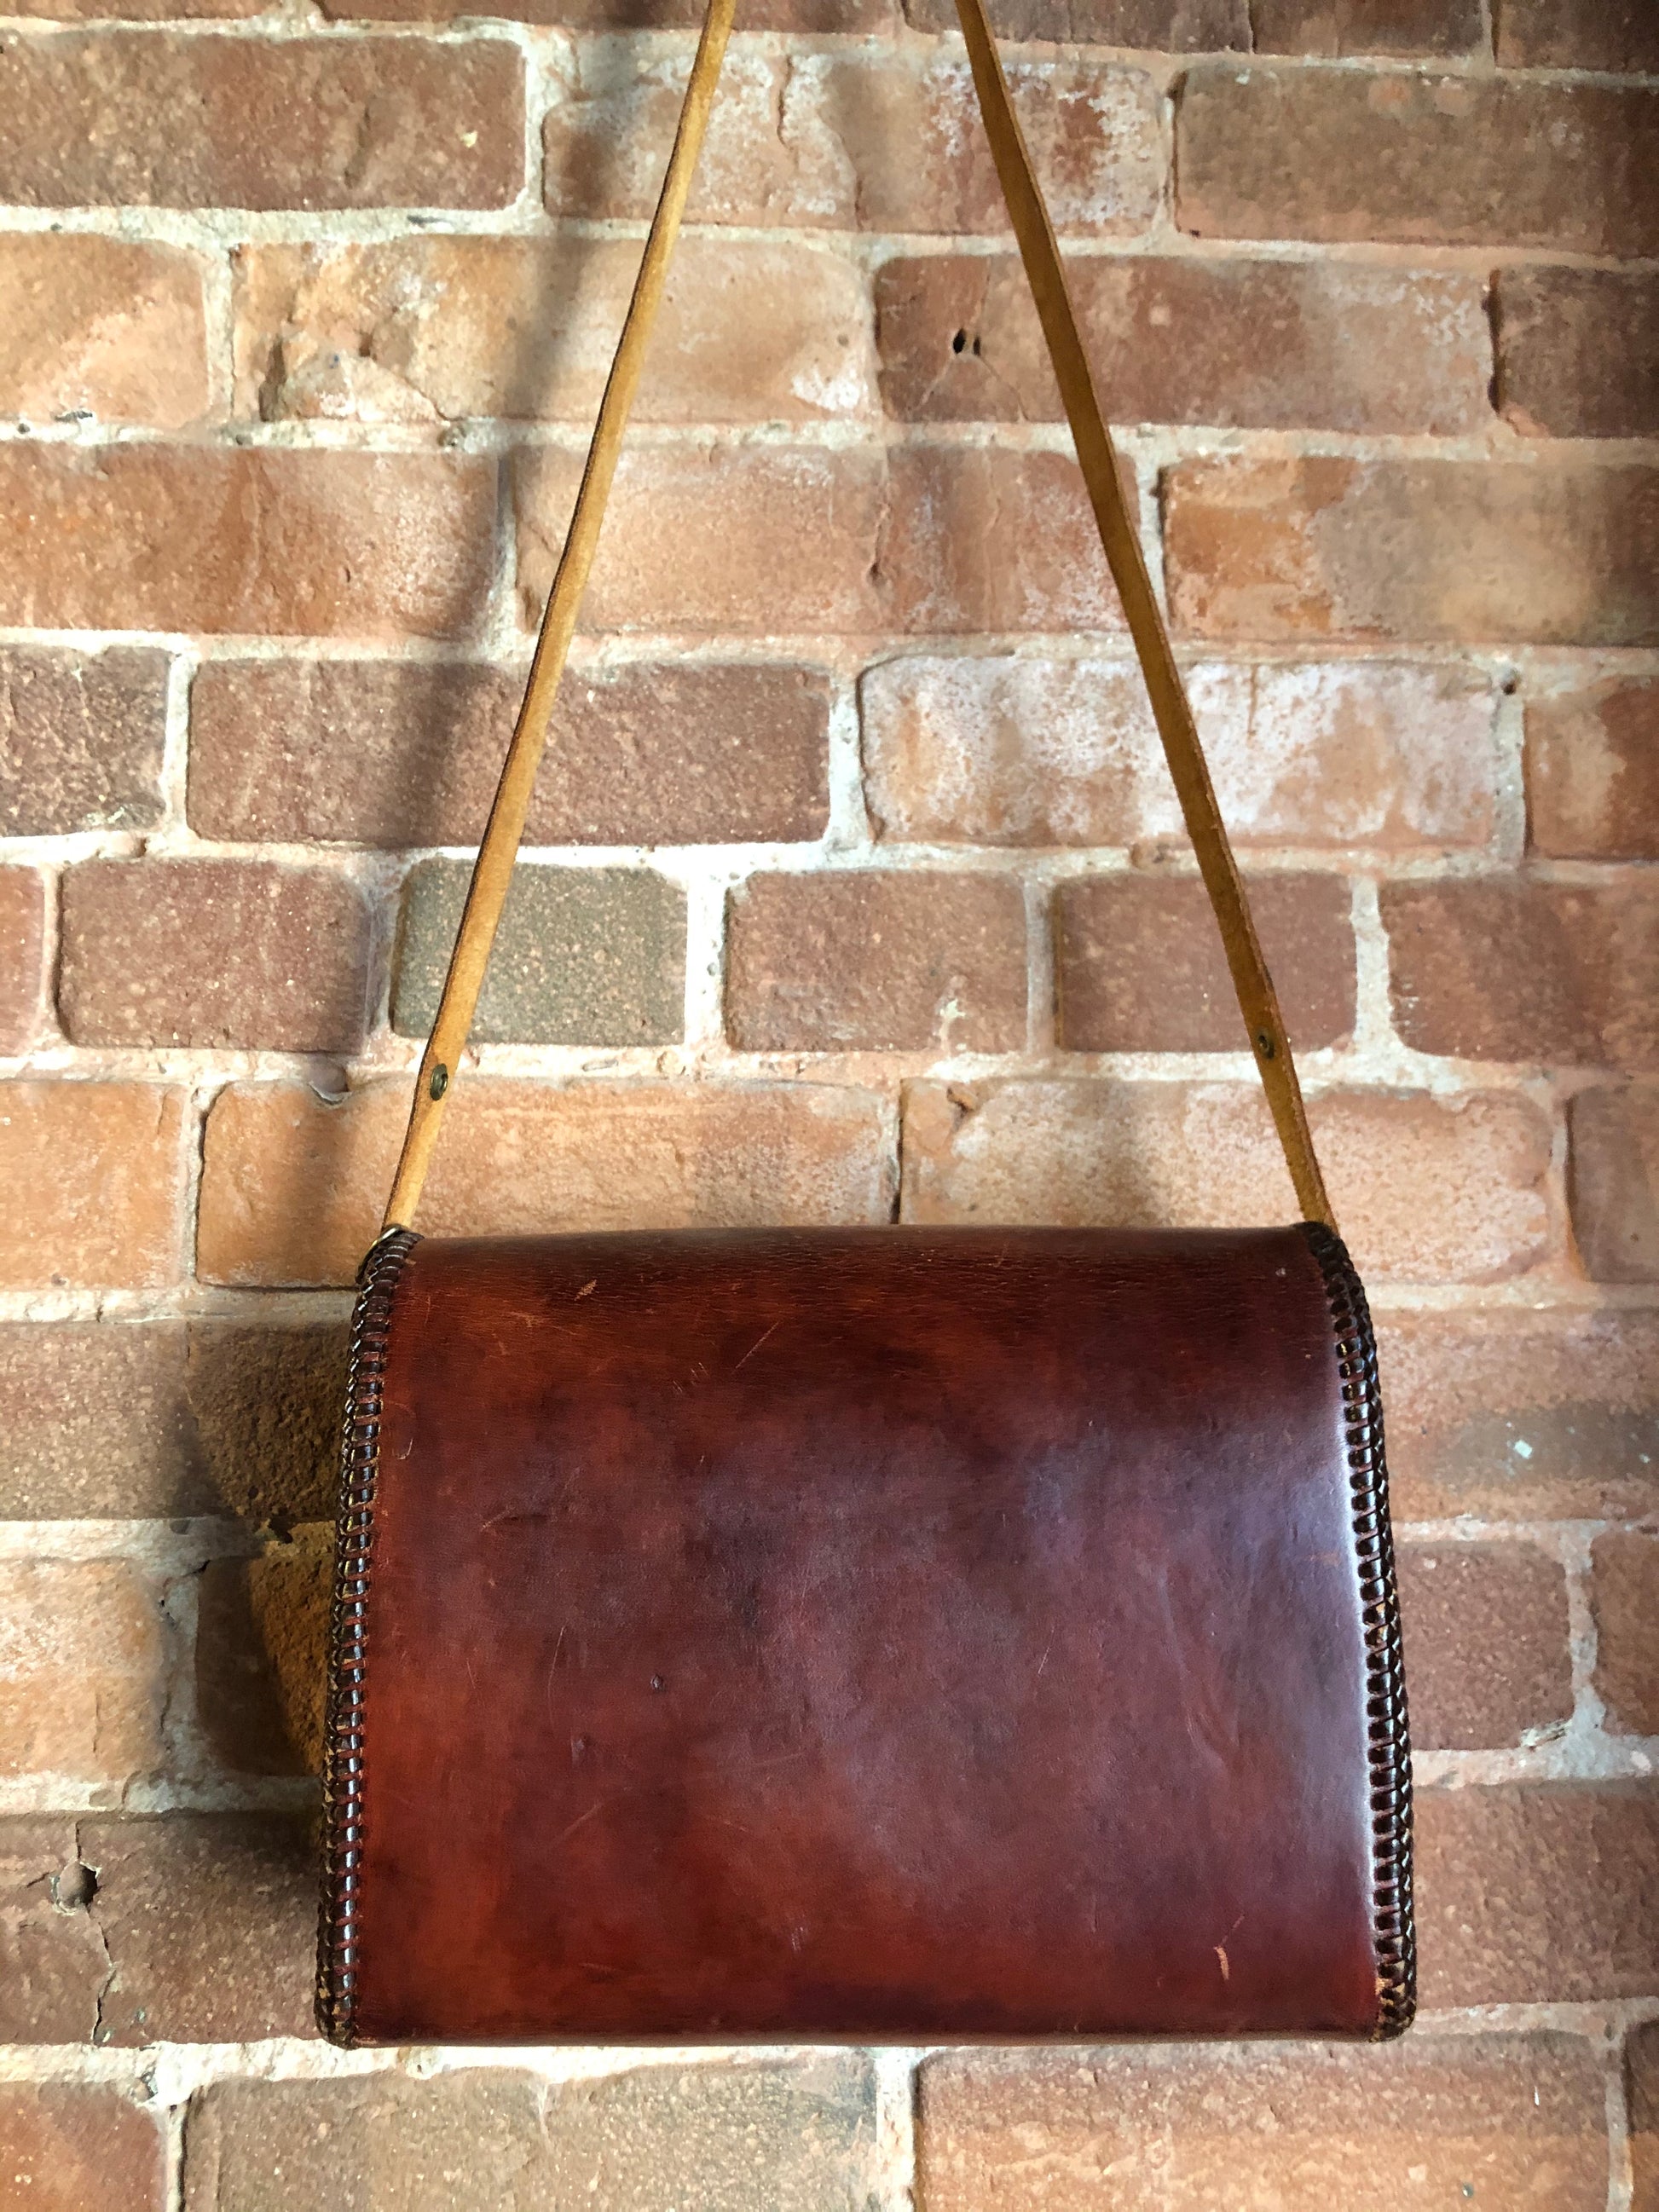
<point x="1098" y="460"/>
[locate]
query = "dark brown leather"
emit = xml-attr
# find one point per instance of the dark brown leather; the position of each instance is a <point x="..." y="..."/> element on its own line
<point x="898" y="1634"/>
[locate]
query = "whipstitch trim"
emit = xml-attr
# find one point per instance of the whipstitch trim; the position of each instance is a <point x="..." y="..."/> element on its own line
<point x="1393" y="1930"/>
<point x="342" y="1741"/>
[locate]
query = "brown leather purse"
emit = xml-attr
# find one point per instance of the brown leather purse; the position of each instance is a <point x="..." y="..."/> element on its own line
<point x="871" y="1634"/>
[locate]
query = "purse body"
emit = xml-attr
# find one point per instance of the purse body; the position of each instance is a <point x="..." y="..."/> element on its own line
<point x="900" y="1634"/>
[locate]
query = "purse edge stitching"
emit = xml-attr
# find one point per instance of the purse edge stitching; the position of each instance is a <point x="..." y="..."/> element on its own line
<point x="1393" y="1931"/>
<point x="341" y="1833"/>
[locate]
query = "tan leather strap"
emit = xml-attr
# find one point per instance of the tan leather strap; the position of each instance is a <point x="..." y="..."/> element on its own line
<point x="1257" y="1001"/>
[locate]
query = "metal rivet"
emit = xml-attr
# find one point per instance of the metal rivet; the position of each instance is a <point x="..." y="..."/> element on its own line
<point x="440" y="1082"/>
<point x="1264" y="1044"/>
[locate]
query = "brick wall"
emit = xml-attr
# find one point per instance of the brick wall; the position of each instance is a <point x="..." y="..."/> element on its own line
<point x="857" y="890"/>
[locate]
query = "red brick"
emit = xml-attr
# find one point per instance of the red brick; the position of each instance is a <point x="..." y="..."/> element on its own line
<point x="986" y="750"/>
<point x="95" y="1179"/>
<point x="262" y="1653"/>
<point x="1592" y="35"/>
<point x="240" y="954"/>
<point x="146" y="118"/>
<point x="985" y="539"/>
<point x="723" y="538"/>
<point x="374" y="753"/>
<point x="1485" y="1629"/>
<point x="1576" y="352"/>
<point x="211" y="1923"/>
<point x="1592" y="773"/>
<point x="101" y="327"/>
<point x="54" y="1960"/>
<point x="1296" y="2127"/>
<point x="69" y="2147"/>
<point x="789" y="2132"/>
<point x="22" y="956"/>
<point x="1642" y="2104"/>
<point x="1613" y="1181"/>
<point x="866" y="962"/>
<point x="81" y="739"/>
<point x="584" y="956"/>
<point x="85" y="1680"/>
<point x="160" y="1419"/>
<point x="429" y="329"/>
<point x="1537" y="1893"/>
<point x="1271" y="344"/>
<point x="1522" y="1415"/>
<point x="1508" y="967"/>
<point x="294" y="1187"/>
<point x="1471" y="550"/>
<point x="770" y="539"/>
<point x="813" y="17"/>
<point x="877" y="141"/>
<point x="1444" y="160"/>
<point x="1427" y="1190"/>
<point x="1139" y="965"/>
<point x="1163" y="26"/>
<point x="1625" y="1597"/>
<point x="151" y="536"/>
<point x="1337" y="28"/>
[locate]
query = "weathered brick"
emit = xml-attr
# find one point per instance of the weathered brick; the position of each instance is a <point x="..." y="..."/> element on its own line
<point x="1508" y="967"/>
<point x="980" y="539"/>
<point x="1642" y="2104"/>
<point x="77" y="11"/>
<point x="1625" y="1594"/>
<point x="1162" y="25"/>
<point x="81" y="739"/>
<point x="1593" y="34"/>
<point x="1592" y="770"/>
<point x="585" y="956"/>
<point x="872" y="962"/>
<point x="93" y="1174"/>
<point x="1427" y="1190"/>
<point x="850" y="140"/>
<point x="101" y="327"/>
<point x="992" y="752"/>
<point x="147" y="118"/>
<point x="814" y="17"/>
<point x="687" y="752"/>
<point x="722" y="537"/>
<point x="1299" y="2127"/>
<point x="52" y="1961"/>
<point x="211" y="1924"/>
<point x="795" y="2135"/>
<point x="160" y="1419"/>
<point x="1278" y="151"/>
<point x="1526" y="1416"/>
<point x="154" y="537"/>
<point x="237" y="953"/>
<point x="1139" y="964"/>
<point x="262" y="1653"/>
<point x="22" y="956"/>
<point x="1535" y="1893"/>
<point x="293" y="1185"/>
<point x="1613" y="1181"/>
<point x="83" y="1660"/>
<point x="1266" y="344"/>
<point x="1486" y="1637"/>
<point x="770" y="539"/>
<point x="1338" y="28"/>
<point x="431" y="330"/>
<point x="1552" y="553"/>
<point x="1576" y="350"/>
<point x="69" y="2147"/>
